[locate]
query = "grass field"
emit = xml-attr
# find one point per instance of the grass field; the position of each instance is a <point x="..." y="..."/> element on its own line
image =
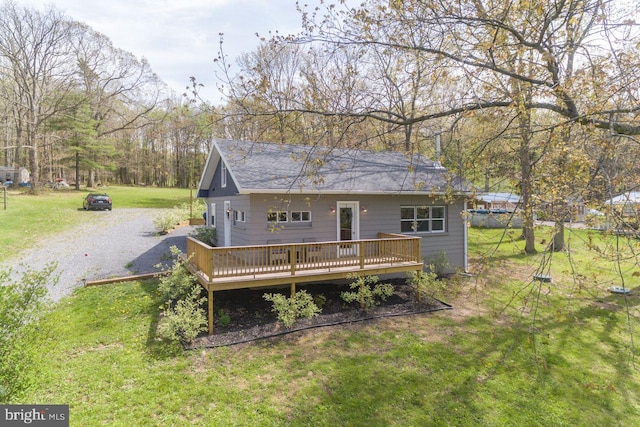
<point x="513" y="352"/>
<point x="31" y="217"/>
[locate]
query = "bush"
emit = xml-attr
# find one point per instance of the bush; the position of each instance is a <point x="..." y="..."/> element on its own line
<point x="290" y="309"/>
<point x="223" y="318"/>
<point x="22" y="302"/>
<point x="185" y="320"/>
<point x="427" y="283"/>
<point x="368" y="292"/>
<point x="177" y="285"/>
<point x="166" y="221"/>
<point x="438" y="264"/>
<point x="206" y="235"/>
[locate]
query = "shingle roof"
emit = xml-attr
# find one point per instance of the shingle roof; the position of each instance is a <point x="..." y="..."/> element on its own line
<point x="261" y="167"/>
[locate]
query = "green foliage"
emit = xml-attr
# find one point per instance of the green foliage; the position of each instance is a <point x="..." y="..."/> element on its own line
<point x="427" y="283"/>
<point x="290" y="309"/>
<point x="223" y="318"/>
<point x="22" y="302"/>
<point x="368" y="292"/>
<point x="179" y="283"/>
<point x="185" y="320"/>
<point x="438" y="263"/>
<point x="206" y="235"/>
<point x="167" y="220"/>
<point x="320" y="300"/>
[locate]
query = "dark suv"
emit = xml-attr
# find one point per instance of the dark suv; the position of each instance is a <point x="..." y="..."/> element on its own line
<point x="97" y="201"/>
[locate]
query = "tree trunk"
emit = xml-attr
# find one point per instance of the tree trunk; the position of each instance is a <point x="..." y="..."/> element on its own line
<point x="77" y="170"/>
<point x="525" y="183"/>
<point x="557" y="244"/>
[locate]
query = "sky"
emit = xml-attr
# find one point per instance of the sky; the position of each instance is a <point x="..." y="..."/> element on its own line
<point x="180" y="38"/>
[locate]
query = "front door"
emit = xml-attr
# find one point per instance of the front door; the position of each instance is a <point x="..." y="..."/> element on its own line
<point x="348" y="227"/>
<point x="227" y="223"/>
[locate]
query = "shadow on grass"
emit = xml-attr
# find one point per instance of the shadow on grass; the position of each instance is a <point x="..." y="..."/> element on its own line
<point x="157" y="348"/>
<point x="486" y="374"/>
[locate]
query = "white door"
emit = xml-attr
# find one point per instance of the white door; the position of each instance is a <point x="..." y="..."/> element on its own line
<point x="348" y="227"/>
<point x="227" y="223"/>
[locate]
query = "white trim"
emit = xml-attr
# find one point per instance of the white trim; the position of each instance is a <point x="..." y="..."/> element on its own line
<point x="211" y="214"/>
<point x="355" y="225"/>
<point x="227" y="222"/>
<point x="223" y="175"/>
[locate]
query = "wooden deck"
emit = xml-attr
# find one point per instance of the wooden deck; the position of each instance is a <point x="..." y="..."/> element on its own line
<point x="239" y="267"/>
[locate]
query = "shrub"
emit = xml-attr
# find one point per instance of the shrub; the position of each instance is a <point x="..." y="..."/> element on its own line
<point x="22" y="302"/>
<point x="290" y="309"/>
<point x="206" y="235"/>
<point x="223" y="318"/>
<point x="368" y="292"/>
<point x="185" y="320"/>
<point x="438" y="264"/>
<point x="177" y="285"/>
<point x="427" y="282"/>
<point x="166" y="220"/>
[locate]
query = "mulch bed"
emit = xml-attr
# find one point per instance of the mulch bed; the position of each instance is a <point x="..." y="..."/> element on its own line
<point x="251" y="316"/>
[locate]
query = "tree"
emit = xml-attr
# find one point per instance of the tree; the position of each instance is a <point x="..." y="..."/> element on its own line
<point x="574" y="60"/>
<point x="34" y="58"/>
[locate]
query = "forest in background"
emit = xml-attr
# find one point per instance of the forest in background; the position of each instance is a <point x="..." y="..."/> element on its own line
<point x="539" y="97"/>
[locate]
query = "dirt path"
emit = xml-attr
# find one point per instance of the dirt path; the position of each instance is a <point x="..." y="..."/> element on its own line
<point x="116" y="243"/>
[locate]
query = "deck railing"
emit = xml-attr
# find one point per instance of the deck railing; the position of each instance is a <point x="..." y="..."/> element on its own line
<point x="219" y="262"/>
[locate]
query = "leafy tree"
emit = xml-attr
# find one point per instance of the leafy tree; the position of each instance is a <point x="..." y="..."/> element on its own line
<point x="22" y="302"/>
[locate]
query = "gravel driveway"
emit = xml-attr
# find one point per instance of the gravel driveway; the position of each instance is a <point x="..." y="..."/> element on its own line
<point x="117" y="243"/>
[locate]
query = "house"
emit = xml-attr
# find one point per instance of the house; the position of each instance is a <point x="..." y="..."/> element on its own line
<point x="17" y="175"/>
<point x="261" y="193"/>
<point x="495" y="210"/>
<point x="508" y="202"/>
<point x="293" y="213"/>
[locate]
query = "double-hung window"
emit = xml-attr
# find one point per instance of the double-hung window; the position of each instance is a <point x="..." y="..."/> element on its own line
<point x="278" y="216"/>
<point x="422" y="219"/>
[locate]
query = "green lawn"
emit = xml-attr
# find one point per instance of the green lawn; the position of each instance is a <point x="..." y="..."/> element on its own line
<point x="29" y="218"/>
<point x="512" y="352"/>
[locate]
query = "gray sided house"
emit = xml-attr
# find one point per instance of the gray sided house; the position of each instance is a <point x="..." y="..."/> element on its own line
<point x="263" y="193"/>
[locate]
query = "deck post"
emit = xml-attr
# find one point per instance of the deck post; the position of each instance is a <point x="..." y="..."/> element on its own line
<point x="293" y="289"/>
<point x="210" y="301"/>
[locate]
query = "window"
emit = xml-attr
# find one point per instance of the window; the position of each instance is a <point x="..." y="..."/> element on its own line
<point x="300" y="216"/>
<point x="293" y="216"/>
<point x="239" y="216"/>
<point x="212" y="214"/>
<point x="422" y="219"/>
<point x="278" y="216"/>
<point x="223" y="175"/>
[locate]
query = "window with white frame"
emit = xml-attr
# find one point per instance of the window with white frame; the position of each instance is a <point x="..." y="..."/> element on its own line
<point x="278" y="216"/>
<point x="212" y="214"/>
<point x="239" y="216"/>
<point x="422" y="219"/>
<point x="223" y="175"/>
<point x="300" y="216"/>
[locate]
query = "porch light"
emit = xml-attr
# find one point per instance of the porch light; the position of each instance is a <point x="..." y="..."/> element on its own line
<point x="364" y="209"/>
<point x="332" y="209"/>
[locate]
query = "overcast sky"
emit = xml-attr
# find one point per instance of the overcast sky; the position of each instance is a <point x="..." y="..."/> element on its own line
<point x="180" y="38"/>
